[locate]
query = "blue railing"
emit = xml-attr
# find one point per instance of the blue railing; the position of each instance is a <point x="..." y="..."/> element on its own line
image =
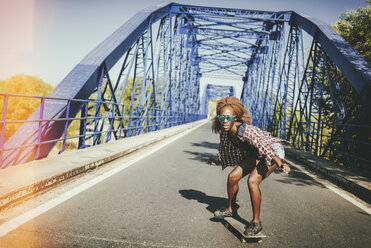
<point x="160" y="55"/>
<point x="94" y="125"/>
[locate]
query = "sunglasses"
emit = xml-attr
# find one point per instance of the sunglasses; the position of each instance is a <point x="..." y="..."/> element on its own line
<point x="229" y="118"/>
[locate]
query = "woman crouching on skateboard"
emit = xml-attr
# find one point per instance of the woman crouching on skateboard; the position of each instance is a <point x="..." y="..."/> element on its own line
<point x="233" y="124"/>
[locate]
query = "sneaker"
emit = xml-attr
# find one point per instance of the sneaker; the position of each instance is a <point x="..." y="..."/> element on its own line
<point x="222" y="213"/>
<point x="253" y="228"/>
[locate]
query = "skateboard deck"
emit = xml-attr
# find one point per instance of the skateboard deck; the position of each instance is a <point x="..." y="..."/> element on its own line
<point x="240" y="227"/>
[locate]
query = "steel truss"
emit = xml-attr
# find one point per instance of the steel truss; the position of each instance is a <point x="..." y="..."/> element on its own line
<point x="146" y="77"/>
<point x="163" y="82"/>
<point x="215" y="92"/>
<point x="291" y="105"/>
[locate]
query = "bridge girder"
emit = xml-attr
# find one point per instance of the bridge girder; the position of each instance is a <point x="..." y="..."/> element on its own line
<point x="215" y="92"/>
<point x="162" y="52"/>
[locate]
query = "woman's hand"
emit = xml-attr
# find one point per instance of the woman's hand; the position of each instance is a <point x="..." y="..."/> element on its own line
<point x="211" y="161"/>
<point x="285" y="168"/>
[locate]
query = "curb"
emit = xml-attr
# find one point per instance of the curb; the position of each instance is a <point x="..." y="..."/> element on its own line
<point x="326" y="168"/>
<point x="36" y="187"/>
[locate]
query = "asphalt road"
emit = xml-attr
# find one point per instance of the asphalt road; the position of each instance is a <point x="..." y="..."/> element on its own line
<point x="168" y="198"/>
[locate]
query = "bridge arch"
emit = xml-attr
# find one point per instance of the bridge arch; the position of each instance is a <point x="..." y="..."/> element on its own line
<point x="161" y="53"/>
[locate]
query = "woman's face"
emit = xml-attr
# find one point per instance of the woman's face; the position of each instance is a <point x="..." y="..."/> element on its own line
<point x="226" y="124"/>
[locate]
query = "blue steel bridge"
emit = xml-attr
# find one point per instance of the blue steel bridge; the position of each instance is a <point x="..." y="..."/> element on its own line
<point x="293" y="70"/>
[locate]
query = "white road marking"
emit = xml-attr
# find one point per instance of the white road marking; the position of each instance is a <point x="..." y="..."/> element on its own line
<point x="365" y="208"/>
<point x="14" y="223"/>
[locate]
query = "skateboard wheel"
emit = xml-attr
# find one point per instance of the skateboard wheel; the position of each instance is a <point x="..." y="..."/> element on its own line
<point x="260" y="240"/>
<point x="243" y="240"/>
<point x="226" y="225"/>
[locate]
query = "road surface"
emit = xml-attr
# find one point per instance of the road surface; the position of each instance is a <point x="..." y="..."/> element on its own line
<point x="167" y="199"/>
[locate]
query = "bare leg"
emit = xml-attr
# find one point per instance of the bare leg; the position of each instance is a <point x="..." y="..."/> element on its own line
<point x="255" y="195"/>
<point x="232" y="186"/>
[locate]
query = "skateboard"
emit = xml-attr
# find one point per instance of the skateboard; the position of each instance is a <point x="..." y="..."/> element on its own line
<point x="240" y="227"/>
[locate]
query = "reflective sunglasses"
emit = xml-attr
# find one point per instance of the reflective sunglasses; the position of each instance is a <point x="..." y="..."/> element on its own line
<point x="222" y="118"/>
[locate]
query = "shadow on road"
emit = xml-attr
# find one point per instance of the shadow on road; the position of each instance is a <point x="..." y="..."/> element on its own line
<point x="213" y="202"/>
<point x="206" y="144"/>
<point x="365" y="214"/>
<point x="202" y="156"/>
<point x="298" y="178"/>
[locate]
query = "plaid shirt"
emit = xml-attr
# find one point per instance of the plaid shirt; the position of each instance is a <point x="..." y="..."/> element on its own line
<point x="259" y="139"/>
<point x="230" y="154"/>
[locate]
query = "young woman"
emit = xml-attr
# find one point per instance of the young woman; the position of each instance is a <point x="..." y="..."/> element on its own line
<point x="232" y="122"/>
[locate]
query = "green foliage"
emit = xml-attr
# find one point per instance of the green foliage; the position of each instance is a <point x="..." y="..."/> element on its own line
<point x="126" y="99"/>
<point x="21" y="108"/>
<point x="99" y="109"/>
<point x="354" y="26"/>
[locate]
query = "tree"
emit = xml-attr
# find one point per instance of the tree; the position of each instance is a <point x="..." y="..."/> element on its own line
<point x="354" y="26"/>
<point x="18" y="107"/>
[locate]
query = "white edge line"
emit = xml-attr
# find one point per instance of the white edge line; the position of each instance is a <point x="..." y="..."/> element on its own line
<point x="330" y="187"/>
<point x="14" y="223"/>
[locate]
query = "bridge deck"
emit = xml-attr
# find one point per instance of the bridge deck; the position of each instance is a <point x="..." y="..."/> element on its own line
<point x="167" y="198"/>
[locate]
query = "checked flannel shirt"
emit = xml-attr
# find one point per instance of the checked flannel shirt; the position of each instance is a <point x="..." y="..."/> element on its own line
<point x="259" y="139"/>
<point x="228" y="153"/>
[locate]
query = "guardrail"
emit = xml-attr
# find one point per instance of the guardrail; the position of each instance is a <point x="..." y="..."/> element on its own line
<point x="92" y="126"/>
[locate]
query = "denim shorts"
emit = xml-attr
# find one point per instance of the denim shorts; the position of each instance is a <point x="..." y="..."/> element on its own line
<point x="278" y="148"/>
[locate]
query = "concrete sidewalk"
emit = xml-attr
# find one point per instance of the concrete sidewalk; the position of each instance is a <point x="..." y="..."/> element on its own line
<point x="19" y="182"/>
<point x="345" y="178"/>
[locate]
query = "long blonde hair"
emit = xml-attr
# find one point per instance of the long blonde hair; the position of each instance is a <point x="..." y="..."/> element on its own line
<point x="238" y="108"/>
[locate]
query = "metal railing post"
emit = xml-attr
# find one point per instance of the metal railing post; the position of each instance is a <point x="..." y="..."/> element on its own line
<point x="3" y="123"/>
<point x="41" y="116"/>
<point x="66" y="126"/>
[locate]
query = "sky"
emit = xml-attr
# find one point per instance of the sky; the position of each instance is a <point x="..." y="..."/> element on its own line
<point x="47" y="38"/>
